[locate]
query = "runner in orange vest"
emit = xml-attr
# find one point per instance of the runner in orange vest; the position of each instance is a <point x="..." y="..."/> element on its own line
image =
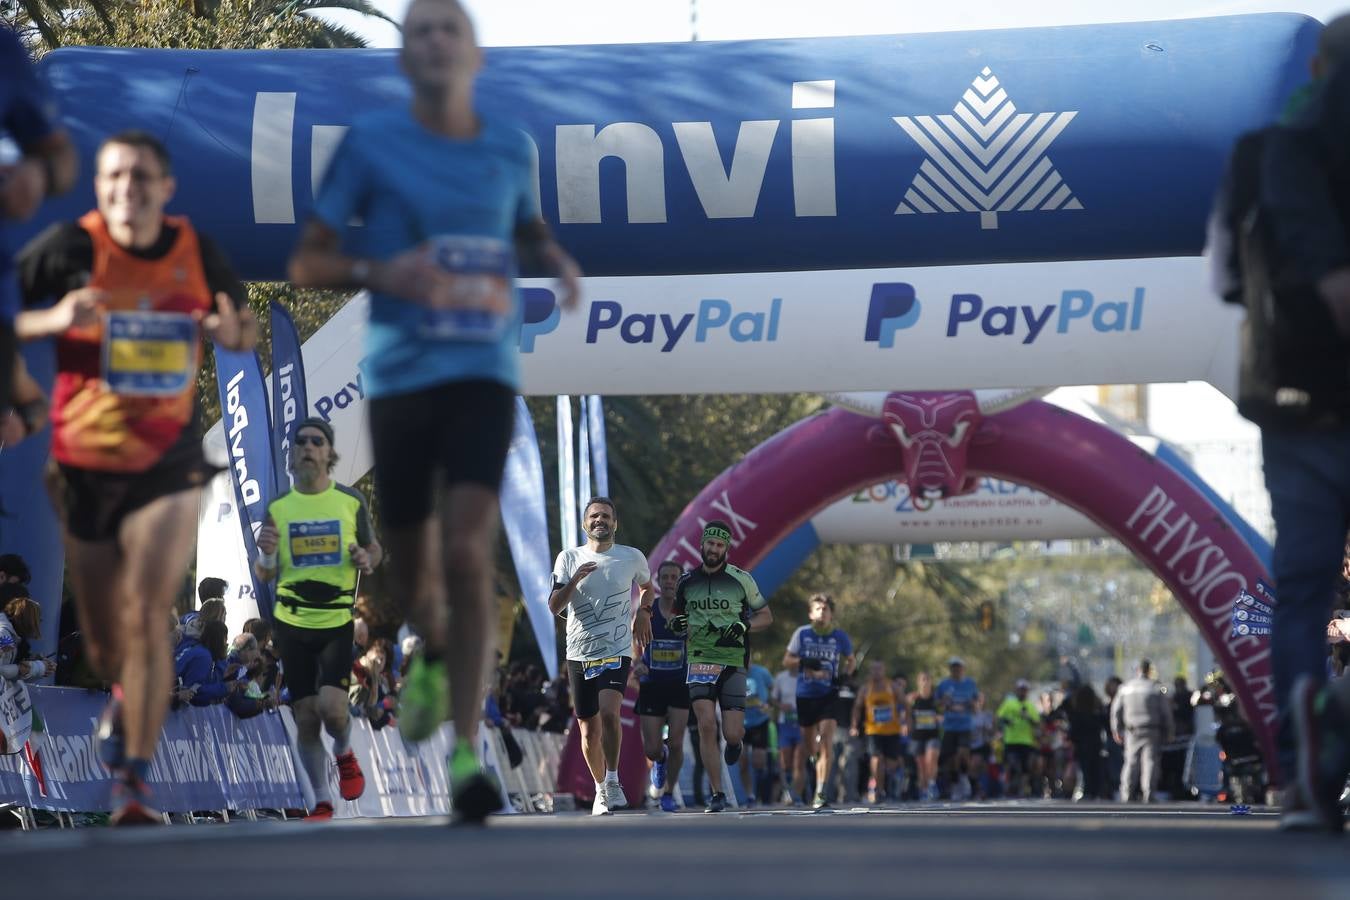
<point x="135" y="291"/>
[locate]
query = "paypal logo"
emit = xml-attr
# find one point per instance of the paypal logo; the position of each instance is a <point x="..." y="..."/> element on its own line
<point x="540" y="316"/>
<point x="893" y="307"/>
<point x="1029" y="322"/>
<point x="714" y="318"/>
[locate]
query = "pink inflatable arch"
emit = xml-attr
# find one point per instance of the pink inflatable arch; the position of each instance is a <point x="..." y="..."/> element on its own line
<point x="937" y="441"/>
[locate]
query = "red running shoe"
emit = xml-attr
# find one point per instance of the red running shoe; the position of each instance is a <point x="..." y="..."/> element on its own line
<point x="351" y="781"/>
<point x="323" y="812"/>
<point x="131" y="803"/>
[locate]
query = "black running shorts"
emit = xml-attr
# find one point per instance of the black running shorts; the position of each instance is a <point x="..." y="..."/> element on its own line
<point x="444" y="435"/>
<point x="812" y="710"/>
<point x="313" y="657"/>
<point x="94" y="503"/>
<point x="728" y="690"/>
<point x="757" y="736"/>
<point x="659" y="696"/>
<point x="884" y="745"/>
<point x="586" y="691"/>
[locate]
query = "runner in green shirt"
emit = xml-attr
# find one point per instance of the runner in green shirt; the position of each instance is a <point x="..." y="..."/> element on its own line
<point x="716" y="605"/>
<point x="1017" y="716"/>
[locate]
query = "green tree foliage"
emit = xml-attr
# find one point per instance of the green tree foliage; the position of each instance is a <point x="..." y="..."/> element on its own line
<point x="189" y="24"/>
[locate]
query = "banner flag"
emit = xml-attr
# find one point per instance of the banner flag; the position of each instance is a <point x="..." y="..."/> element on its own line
<point x="585" y="490"/>
<point x="248" y="440"/>
<point x="290" y="399"/>
<point x="526" y="524"/>
<point x="595" y="410"/>
<point x="567" y="486"/>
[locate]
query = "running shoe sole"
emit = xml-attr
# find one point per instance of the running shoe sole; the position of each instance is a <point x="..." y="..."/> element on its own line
<point x="132" y="813"/>
<point x="323" y="812"/>
<point x="475" y="800"/>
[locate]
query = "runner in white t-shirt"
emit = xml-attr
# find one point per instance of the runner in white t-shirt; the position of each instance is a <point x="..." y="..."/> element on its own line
<point x="593" y="588"/>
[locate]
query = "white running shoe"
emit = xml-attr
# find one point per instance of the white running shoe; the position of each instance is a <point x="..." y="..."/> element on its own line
<point x="599" y="808"/>
<point x="614" y="797"/>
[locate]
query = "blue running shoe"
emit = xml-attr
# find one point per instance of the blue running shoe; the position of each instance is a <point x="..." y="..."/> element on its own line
<point x="659" y="773"/>
<point x="668" y="803"/>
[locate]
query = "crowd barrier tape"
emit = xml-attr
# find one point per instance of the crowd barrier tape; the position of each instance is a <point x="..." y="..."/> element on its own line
<point x="207" y="759"/>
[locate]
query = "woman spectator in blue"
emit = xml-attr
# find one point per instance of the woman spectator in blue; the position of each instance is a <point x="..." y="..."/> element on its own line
<point x="199" y="662"/>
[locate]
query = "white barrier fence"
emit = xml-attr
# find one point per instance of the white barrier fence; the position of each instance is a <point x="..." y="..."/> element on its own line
<point x="404" y="779"/>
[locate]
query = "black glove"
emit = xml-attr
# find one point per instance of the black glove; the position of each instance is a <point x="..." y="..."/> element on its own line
<point x="734" y="632"/>
<point x="678" y="624"/>
<point x="812" y="665"/>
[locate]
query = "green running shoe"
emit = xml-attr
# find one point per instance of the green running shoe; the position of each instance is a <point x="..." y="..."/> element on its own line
<point x="474" y="794"/>
<point x="425" y="700"/>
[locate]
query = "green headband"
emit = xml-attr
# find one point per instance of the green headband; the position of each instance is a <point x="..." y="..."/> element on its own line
<point x="717" y="534"/>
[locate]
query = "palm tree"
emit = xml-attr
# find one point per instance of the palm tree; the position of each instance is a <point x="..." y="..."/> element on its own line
<point x="328" y="34"/>
<point x="47" y="18"/>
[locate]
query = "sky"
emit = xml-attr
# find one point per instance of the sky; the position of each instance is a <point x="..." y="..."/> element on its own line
<point x="1194" y="415"/>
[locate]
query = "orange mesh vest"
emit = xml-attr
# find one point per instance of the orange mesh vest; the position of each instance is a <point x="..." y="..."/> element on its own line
<point x="125" y="388"/>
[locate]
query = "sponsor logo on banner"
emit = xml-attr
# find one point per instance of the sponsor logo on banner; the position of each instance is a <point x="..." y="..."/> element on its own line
<point x="715" y="321"/>
<point x="893" y="307"/>
<point x="987" y="158"/>
<point x="1202" y="569"/>
<point x="1075" y="310"/>
<point x="236" y="412"/>
<point x="991" y="492"/>
<point x="540" y="316"/>
<point x="340" y="399"/>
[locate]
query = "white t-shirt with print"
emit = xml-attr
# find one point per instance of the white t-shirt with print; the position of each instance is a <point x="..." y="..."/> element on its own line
<point x="600" y="613"/>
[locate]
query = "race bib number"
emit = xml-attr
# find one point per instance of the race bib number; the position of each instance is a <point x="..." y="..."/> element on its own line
<point x="592" y="668"/>
<point x="667" y="656"/>
<point x="704" y="673"/>
<point x="315" y="543"/>
<point x="149" y="353"/>
<point x="925" y="719"/>
<point x="882" y="715"/>
<point x="16" y="716"/>
<point x="476" y="303"/>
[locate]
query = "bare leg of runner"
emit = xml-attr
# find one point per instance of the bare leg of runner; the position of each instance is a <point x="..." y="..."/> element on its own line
<point x="592" y="734"/>
<point x="469" y="528"/>
<point x="159" y="540"/>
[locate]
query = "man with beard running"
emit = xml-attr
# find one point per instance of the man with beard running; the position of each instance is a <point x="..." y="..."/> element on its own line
<point x="317" y="542"/>
<point x="716" y="605"/>
<point x="663" y="696"/>
<point x="593" y="588"/>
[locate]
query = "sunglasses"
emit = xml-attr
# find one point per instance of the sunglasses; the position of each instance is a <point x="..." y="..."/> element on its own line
<point x="312" y="440"/>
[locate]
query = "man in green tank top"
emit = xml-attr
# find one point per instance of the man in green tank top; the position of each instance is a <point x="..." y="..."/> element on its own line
<point x="316" y="542"/>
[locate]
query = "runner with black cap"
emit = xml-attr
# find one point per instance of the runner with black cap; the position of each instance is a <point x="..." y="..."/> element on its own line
<point x="716" y="606"/>
<point x="316" y="542"/>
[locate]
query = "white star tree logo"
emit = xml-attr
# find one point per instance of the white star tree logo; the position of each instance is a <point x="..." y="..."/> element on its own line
<point x="987" y="158"/>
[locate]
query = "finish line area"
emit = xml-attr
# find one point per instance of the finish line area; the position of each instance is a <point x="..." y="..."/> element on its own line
<point x="972" y="850"/>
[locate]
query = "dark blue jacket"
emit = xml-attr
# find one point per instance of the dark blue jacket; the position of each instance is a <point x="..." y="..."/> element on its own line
<point x="193" y="665"/>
